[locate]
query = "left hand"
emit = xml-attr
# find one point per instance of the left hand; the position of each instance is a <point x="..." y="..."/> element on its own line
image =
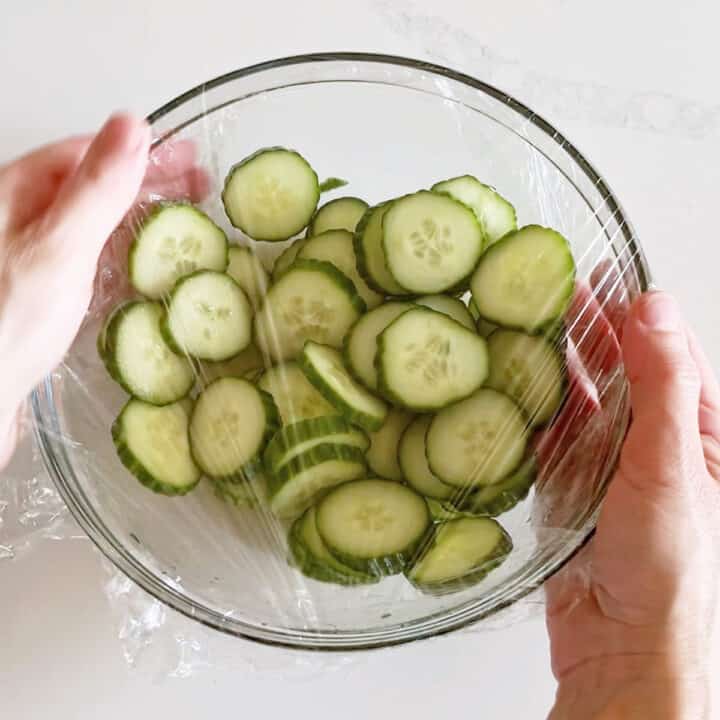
<point x="58" y="206"/>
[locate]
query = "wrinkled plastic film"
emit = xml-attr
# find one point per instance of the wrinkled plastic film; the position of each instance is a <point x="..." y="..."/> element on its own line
<point x="227" y="565"/>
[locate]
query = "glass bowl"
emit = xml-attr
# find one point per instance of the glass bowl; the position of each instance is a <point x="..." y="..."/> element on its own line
<point x="389" y="125"/>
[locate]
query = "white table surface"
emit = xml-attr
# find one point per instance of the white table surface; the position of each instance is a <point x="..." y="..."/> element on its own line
<point x="634" y="85"/>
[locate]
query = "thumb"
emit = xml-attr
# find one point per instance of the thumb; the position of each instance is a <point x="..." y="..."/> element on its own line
<point x="663" y="445"/>
<point x="93" y="201"/>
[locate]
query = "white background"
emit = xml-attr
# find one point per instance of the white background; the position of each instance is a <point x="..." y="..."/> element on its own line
<point x="634" y="85"/>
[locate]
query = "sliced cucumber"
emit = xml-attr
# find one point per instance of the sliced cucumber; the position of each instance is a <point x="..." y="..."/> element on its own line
<point x="526" y="280"/>
<point x="323" y="367"/>
<point x="361" y="342"/>
<point x="242" y="493"/>
<point x="286" y="258"/>
<point x="450" y="306"/>
<point x="497" y="499"/>
<point x="208" y="317"/>
<point x="529" y="370"/>
<point x="249" y="360"/>
<point x="413" y="461"/>
<point x="431" y="242"/>
<point x="294" y="396"/>
<point x="374" y="526"/>
<point x="301" y="436"/>
<point x="138" y="358"/>
<point x="313" y="559"/>
<point x="249" y="273"/>
<point x="271" y="195"/>
<point x="299" y="483"/>
<point x="174" y="240"/>
<point x="426" y="360"/>
<point x="382" y="457"/>
<point x="460" y="553"/>
<point x="444" y="510"/>
<point x="229" y="428"/>
<point x="477" y="441"/>
<point x="340" y="214"/>
<point x="485" y="328"/>
<point x="313" y="300"/>
<point x="496" y="215"/>
<point x="370" y="254"/>
<point x="152" y="443"/>
<point x="336" y="247"/>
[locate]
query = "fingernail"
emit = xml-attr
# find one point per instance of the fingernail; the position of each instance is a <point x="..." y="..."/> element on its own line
<point x="660" y="312"/>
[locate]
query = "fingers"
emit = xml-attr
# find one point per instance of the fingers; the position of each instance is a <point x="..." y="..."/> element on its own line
<point x="663" y="446"/>
<point x="709" y="415"/>
<point x="95" y="198"/>
<point x="61" y="154"/>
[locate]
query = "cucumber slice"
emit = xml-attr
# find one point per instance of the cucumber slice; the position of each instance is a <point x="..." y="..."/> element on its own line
<point x="249" y="360"/>
<point x="450" y="306"/>
<point x="313" y="559"/>
<point x="497" y="499"/>
<point x="304" y="435"/>
<point x="138" y="358"/>
<point x="242" y="493"/>
<point x="370" y="254"/>
<point x="361" y="342"/>
<point x="313" y="300"/>
<point x="496" y="215"/>
<point x="431" y="242"/>
<point x="296" y="399"/>
<point x="208" y="316"/>
<point x="413" y="461"/>
<point x="382" y="457"/>
<point x="323" y="367"/>
<point x="249" y="273"/>
<point x="173" y="241"/>
<point x="526" y="280"/>
<point x="460" y="554"/>
<point x="485" y="328"/>
<point x="340" y="214"/>
<point x="286" y="258"/>
<point x="229" y="428"/>
<point x="299" y="483"/>
<point x="477" y="441"/>
<point x="152" y="443"/>
<point x="271" y="195"/>
<point x="336" y="247"/>
<point x="426" y="360"/>
<point x="444" y="510"/>
<point x="374" y="526"/>
<point x="529" y="370"/>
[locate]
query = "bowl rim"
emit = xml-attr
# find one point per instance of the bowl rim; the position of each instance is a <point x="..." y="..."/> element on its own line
<point x="432" y="625"/>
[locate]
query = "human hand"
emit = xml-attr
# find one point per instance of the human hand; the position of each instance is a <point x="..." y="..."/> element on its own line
<point x="58" y="205"/>
<point x="630" y="619"/>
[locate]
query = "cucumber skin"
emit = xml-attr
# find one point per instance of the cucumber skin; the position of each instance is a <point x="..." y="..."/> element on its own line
<point x="360" y="255"/>
<point x="280" y="266"/>
<point x="303" y="430"/>
<point x="386" y="565"/>
<point x="510" y="492"/>
<point x="106" y="349"/>
<point x="250" y="158"/>
<point x="254" y="467"/>
<point x="355" y="417"/>
<point x="131" y="462"/>
<point x="248" y="497"/>
<point x="384" y="389"/>
<point x="303" y="559"/>
<point x="155" y="210"/>
<point x="495" y="559"/>
<point x="169" y="338"/>
<point x="463" y="283"/>
<point x="552" y="323"/>
<point x="315" y="456"/>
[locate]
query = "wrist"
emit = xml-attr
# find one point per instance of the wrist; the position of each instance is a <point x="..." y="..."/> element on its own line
<point x="630" y="687"/>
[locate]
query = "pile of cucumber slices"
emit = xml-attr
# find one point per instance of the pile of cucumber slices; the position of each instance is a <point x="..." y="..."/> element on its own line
<point x="378" y="390"/>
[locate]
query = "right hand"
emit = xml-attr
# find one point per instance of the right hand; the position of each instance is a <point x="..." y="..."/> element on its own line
<point x="630" y="619"/>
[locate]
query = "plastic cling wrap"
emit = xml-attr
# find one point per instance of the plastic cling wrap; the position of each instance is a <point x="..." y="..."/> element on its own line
<point x="220" y="553"/>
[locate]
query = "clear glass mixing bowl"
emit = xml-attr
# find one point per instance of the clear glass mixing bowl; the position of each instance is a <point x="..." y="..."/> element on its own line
<point x="390" y="125"/>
